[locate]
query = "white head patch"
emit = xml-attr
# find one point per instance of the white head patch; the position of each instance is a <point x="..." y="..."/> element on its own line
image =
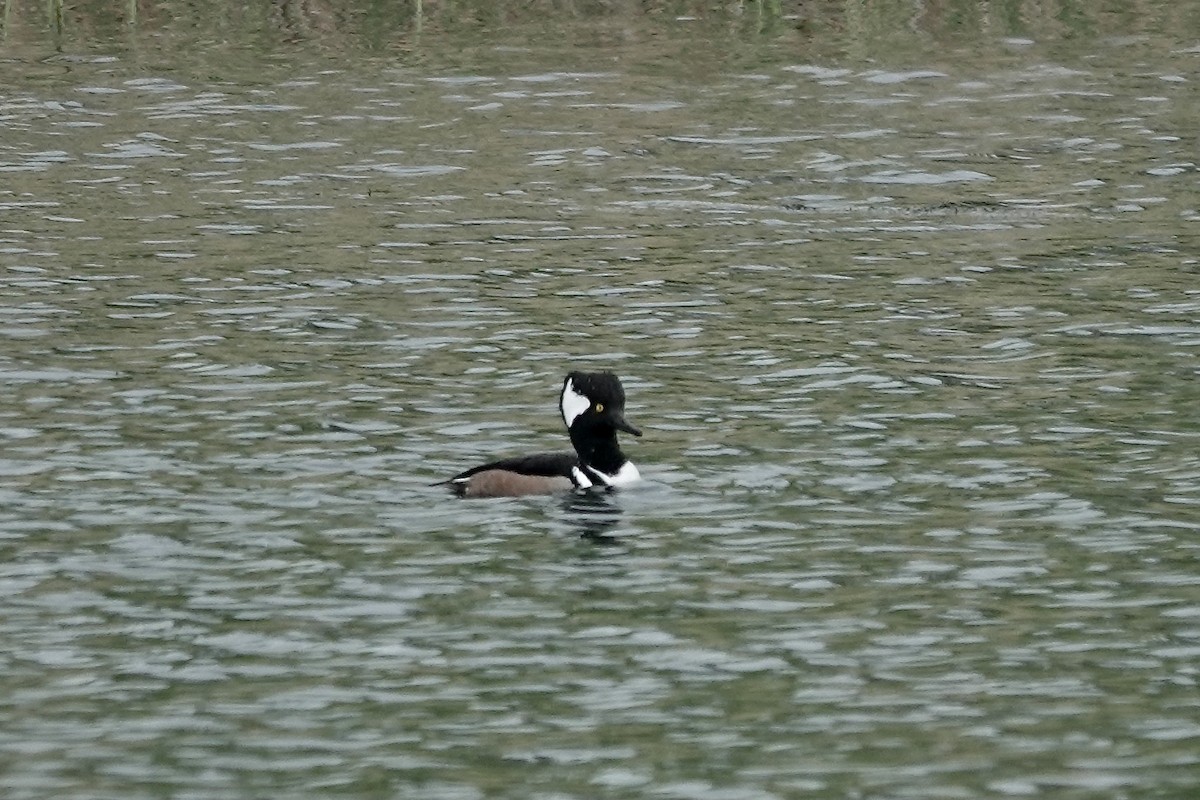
<point x="573" y="403"/>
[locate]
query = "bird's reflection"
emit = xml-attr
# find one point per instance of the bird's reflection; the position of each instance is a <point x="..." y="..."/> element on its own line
<point x="594" y="513"/>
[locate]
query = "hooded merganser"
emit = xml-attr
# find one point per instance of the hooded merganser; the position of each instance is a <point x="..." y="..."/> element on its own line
<point x="593" y="407"/>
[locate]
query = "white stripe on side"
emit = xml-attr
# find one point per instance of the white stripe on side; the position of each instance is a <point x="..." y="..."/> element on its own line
<point x="581" y="478"/>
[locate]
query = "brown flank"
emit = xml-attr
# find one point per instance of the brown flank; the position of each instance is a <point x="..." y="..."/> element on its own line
<point x="502" y="483"/>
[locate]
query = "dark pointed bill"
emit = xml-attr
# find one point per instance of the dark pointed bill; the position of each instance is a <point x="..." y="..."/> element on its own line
<point x="620" y="424"/>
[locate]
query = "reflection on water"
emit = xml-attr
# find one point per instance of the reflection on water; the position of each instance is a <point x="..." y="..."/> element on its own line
<point x="913" y="342"/>
<point x="595" y="514"/>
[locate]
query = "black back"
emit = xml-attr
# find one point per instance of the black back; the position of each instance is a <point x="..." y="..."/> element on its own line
<point x="549" y="465"/>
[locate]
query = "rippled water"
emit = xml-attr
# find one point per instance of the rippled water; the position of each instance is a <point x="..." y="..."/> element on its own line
<point x="915" y="351"/>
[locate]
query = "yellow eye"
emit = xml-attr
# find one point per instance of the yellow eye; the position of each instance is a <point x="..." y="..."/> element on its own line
<point x="599" y="407"/>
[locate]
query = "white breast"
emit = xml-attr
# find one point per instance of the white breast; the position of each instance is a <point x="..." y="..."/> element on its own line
<point x="626" y="475"/>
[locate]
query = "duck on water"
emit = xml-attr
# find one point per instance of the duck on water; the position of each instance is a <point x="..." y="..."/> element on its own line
<point x="593" y="408"/>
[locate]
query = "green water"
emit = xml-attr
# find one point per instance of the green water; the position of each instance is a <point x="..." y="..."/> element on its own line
<point x="908" y="316"/>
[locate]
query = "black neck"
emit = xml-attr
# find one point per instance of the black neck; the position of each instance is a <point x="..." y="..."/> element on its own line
<point x="599" y="450"/>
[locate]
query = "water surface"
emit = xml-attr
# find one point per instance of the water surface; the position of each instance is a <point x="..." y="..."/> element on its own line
<point x="913" y="341"/>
